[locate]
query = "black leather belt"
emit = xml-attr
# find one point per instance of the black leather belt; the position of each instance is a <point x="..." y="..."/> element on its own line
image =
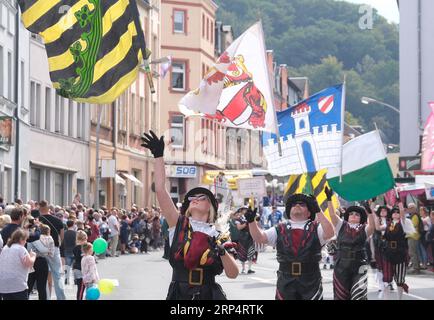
<point x="194" y="277"/>
<point x="392" y="244"/>
<point x="299" y="268"/>
<point x="351" y="254"/>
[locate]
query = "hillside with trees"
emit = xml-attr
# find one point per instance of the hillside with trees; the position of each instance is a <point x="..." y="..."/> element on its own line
<point x="321" y="39"/>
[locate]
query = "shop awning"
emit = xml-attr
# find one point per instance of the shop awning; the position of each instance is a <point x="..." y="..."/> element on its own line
<point x="136" y="181"/>
<point x="119" y="180"/>
<point x="414" y="189"/>
<point x="231" y="175"/>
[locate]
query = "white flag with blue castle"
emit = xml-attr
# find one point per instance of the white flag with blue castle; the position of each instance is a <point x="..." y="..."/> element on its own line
<point x="311" y="135"/>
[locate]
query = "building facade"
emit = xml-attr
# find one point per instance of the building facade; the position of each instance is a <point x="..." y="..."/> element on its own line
<point x="122" y="124"/>
<point x="55" y="137"/>
<point x="416" y="71"/>
<point x="9" y="70"/>
<point x="194" y="145"/>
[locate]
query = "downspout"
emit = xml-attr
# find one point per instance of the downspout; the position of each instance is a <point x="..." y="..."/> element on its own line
<point x="115" y="147"/>
<point x="419" y="58"/>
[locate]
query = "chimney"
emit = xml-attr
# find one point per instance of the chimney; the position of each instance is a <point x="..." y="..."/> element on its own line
<point x="270" y="58"/>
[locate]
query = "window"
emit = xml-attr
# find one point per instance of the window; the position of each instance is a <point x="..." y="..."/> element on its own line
<point x="203" y="26"/>
<point x="1" y="70"/>
<point x="22" y="84"/>
<point x="142" y="115"/>
<point x="35" y="104"/>
<point x="79" y="111"/>
<point x="133" y="114"/>
<point x="59" y="188"/>
<point x="57" y="113"/>
<point x="3" y="19"/>
<point x="11" y="22"/>
<point x="207" y="28"/>
<point x="24" y="185"/>
<point x="178" y="76"/>
<point x="154" y="116"/>
<point x="38" y="106"/>
<point x="81" y="118"/>
<point x="35" y="184"/>
<point x="48" y="108"/>
<point x="212" y="31"/>
<point x="62" y="115"/>
<point x="177" y="131"/>
<point x="7" y="192"/>
<point x="122" y="112"/>
<point x="71" y="118"/>
<point x="179" y="21"/>
<point x="136" y="189"/>
<point x="32" y="103"/>
<point x="10" y="75"/>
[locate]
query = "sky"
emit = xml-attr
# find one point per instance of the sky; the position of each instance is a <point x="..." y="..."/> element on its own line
<point x="386" y="8"/>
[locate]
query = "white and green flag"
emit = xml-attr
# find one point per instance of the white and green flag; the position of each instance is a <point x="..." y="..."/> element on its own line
<point x="365" y="170"/>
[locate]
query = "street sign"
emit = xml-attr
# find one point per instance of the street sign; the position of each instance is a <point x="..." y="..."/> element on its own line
<point x="181" y="171"/>
<point x="252" y="187"/>
<point x="409" y="163"/>
<point x="108" y="168"/>
<point x="6" y="130"/>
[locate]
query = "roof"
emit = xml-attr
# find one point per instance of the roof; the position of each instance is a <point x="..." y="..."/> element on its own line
<point x="302" y="83"/>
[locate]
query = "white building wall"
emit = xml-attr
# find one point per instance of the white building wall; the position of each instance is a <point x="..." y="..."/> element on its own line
<point x="411" y="120"/>
<point x="54" y="151"/>
<point x="7" y="93"/>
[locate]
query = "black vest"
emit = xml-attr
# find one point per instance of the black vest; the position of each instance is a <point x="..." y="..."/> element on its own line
<point x="309" y="250"/>
<point x="179" y="240"/>
<point x="396" y="244"/>
<point x="351" y="242"/>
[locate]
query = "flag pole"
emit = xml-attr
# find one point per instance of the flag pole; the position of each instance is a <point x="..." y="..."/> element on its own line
<point x="279" y="146"/>
<point x="148" y="70"/>
<point x="16" y="110"/>
<point x="344" y="91"/>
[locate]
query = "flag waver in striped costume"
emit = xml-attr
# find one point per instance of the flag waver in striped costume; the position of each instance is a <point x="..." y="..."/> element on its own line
<point x="311" y="183"/>
<point x="94" y="47"/>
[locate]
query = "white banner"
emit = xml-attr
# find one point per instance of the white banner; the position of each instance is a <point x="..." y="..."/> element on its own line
<point x="252" y="187"/>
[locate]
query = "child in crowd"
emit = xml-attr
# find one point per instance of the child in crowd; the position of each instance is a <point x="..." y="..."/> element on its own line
<point x="46" y="239"/>
<point x="88" y="266"/>
<point x="76" y="266"/>
<point x="135" y="244"/>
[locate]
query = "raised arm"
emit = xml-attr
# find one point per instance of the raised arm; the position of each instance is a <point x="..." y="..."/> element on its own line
<point x="401" y="211"/>
<point x="156" y="146"/>
<point x="333" y="216"/>
<point x="257" y="234"/>
<point x="371" y="220"/>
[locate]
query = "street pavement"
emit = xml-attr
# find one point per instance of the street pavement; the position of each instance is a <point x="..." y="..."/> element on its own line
<point x="147" y="277"/>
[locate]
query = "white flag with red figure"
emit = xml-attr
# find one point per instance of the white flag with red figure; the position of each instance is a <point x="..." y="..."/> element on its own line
<point x="428" y="141"/>
<point x="237" y="90"/>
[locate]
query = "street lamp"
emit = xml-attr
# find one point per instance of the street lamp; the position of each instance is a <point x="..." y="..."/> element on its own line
<point x="366" y="100"/>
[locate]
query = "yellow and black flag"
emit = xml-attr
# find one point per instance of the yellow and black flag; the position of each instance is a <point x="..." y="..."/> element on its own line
<point x="312" y="183"/>
<point x="94" y="47"/>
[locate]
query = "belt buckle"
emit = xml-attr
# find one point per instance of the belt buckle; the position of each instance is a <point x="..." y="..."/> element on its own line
<point x="296" y="268"/>
<point x="393" y="244"/>
<point x="190" y="277"/>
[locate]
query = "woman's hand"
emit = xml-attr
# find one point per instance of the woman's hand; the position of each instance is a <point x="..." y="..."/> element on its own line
<point x="329" y="193"/>
<point x="155" y="145"/>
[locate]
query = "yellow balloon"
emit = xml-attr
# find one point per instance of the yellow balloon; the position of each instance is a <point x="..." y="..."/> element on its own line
<point x="106" y="286"/>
